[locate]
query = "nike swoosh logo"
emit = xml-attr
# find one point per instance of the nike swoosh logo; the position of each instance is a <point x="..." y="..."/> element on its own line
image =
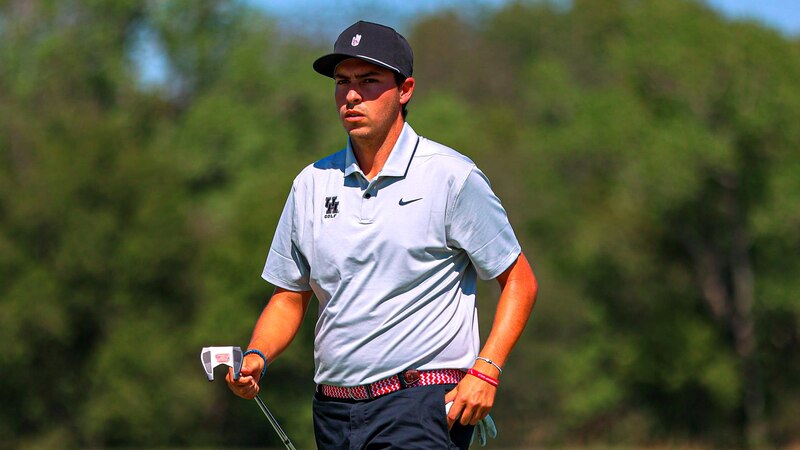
<point x="403" y="203"/>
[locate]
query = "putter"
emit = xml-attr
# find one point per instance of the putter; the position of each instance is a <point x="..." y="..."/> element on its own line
<point x="211" y="357"/>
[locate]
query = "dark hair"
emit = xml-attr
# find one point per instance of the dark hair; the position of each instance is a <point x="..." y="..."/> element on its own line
<point x="399" y="79"/>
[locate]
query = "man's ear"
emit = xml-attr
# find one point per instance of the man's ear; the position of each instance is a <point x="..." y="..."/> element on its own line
<point x="406" y="90"/>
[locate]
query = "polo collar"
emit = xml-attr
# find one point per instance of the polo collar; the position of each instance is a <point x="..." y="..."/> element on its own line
<point x="399" y="158"/>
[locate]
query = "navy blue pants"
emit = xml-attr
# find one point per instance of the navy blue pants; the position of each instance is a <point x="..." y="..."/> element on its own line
<point x="412" y="418"/>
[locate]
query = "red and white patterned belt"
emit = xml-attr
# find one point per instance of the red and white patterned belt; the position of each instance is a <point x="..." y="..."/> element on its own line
<point x="406" y="379"/>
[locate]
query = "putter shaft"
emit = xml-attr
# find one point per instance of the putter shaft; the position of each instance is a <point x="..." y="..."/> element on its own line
<point x="274" y="423"/>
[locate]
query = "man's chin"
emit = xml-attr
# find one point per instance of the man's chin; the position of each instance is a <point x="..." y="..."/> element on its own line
<point x="357" y="132"/>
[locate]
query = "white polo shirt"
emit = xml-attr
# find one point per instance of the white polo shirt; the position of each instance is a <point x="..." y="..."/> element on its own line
<point x="392" y="261"/>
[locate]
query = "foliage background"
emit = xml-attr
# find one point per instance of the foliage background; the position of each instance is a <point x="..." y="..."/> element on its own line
<point x="647" y="153"/>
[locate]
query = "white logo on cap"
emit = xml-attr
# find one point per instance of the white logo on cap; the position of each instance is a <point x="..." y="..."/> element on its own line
<point x="356" y="40"/>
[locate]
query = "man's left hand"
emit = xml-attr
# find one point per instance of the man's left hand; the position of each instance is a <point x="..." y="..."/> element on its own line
<point x="472" y="400"/>
<point x="484" y="429"/>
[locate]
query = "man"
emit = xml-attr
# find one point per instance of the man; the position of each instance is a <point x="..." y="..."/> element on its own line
<point x="390" y="234"/>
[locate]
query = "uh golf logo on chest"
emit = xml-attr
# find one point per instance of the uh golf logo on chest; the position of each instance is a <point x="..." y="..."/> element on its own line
<point x="331" y="207"/>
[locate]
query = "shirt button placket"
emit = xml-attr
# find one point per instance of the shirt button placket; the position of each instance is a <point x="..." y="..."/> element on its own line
<point x="368" y="206"/>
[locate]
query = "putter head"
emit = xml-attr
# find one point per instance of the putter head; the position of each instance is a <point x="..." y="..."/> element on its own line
<point x="211" y="357"/>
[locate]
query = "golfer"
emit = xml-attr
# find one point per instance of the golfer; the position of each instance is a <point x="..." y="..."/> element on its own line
<point x="390" y="234"/>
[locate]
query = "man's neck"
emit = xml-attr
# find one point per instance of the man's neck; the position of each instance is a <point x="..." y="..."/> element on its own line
<point x="372" y="154"/>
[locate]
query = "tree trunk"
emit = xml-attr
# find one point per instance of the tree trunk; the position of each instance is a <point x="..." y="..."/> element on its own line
<point x="742" y="322"/>
<point x="726" y="280"/>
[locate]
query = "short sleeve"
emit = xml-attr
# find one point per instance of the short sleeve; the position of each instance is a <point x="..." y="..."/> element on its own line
<point x="286" y="267"/>
<point x="478" y="224"/>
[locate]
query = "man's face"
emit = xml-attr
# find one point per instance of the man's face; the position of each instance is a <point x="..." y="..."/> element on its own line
<point x="368" y="98"/>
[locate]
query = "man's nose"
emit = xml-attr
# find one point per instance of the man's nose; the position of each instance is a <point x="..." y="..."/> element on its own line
<point x="353" y="97"/>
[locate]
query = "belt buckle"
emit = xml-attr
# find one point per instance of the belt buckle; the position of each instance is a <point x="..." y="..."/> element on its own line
<point x="351" y="392"/>
<point x="410" y="376"/>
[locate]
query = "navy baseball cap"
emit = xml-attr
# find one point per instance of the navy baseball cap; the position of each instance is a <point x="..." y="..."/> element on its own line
<point x="371" y="42"/>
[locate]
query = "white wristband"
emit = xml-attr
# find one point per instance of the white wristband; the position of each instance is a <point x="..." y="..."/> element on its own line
<point x="490" y="362"/>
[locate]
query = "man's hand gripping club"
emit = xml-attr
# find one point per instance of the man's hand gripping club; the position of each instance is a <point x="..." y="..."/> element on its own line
<point x="246" y="386"/>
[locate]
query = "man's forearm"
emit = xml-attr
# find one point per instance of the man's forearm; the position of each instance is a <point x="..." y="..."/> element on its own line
<point x="279" y="322"/>
<point x="519" y="288"/>
<point x="473" y="398"/>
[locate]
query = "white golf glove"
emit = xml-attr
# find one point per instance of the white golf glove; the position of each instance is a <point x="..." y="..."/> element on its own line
<point x="484" y="429"/>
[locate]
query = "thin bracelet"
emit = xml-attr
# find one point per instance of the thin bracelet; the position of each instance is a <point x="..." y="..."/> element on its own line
<point x="490" y="362"/>
<point x="253" y="351"/>
<point x="493" y="381"/>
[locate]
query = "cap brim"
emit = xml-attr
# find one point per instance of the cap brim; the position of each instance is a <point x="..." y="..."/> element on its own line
<point x="326" y="65"/>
